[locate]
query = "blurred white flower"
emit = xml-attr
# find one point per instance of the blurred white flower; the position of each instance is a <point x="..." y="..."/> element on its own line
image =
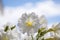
<point x="56" y="28"/>
<point x="26" y="37"/>
<point x="43" y="21"/>
<point x="8" y="34"/>
<point x="29" y="22"/>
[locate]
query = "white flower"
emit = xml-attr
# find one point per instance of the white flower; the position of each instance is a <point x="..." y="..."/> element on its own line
<point x="29" y="22"/>
<point x="9" y="34"/>
<point x="56" y="28"/>
<point x="26" y="37"/>
<point x="43" y="21"/>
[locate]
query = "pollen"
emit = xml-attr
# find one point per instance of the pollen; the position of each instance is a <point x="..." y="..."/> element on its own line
<point x="29" y="23"/>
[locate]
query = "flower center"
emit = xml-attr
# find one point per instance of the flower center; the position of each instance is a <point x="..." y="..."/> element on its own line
<point x="29" y="23"/>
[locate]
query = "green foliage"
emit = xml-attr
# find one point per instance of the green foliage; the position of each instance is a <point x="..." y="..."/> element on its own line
<point x="32" y="37"/>
<point x="42" y="39"/>
<point x="6" y="28"/>
<point x="13" y="27"/>
<point x="42" y="32"/>
<point x="50" y="39"/>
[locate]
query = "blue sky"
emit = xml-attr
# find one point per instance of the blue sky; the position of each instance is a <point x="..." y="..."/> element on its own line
<point x="22" y="2"/>
<point x="49" y="8"/>
<point x="18" y="2"/>
<point x="53" y="19"/>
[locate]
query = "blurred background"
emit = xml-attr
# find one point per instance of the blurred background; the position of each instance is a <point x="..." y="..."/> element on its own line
<point x="11" y="10"/>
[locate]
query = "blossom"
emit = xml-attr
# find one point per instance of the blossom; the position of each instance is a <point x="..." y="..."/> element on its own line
<point x="43" y="21"/>
<point x="26" y="37"/>
<point x="7" y="34"/>
<point x="28" y="23"/>
<point x="56" y="28"/>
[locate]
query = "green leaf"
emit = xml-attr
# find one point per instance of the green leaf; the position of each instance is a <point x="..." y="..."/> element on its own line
<point x="6" y="28"/>
<point x="42" y="39"/>
<point x="42" y="32"/>
<point x="32" y="37"/>
<point x="13" y="27"/>
<point x="50" y="39"/>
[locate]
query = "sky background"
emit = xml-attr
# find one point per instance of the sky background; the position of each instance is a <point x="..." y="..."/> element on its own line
<point x="14" y="3"/>
<point x="13" y="9"/>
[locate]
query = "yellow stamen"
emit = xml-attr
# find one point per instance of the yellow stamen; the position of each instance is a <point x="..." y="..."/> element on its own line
<point x="29" y="23"/>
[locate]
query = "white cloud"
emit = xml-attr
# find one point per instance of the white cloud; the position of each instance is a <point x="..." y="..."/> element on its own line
<point x="47" y="8"/>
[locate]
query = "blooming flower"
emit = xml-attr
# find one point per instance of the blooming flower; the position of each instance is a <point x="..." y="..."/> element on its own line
<point x="56" y="28"/>
<point x="43" y="21"/>
<point x="8" y="34"/>
<point x="29" y="22"/>
<point x="26" y="37"/>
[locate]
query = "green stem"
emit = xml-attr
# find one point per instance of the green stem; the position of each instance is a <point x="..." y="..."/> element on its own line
<point x="32" y="37"/>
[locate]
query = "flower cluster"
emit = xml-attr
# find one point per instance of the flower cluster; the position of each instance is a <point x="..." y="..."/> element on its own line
<point x="30" y="27"/>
